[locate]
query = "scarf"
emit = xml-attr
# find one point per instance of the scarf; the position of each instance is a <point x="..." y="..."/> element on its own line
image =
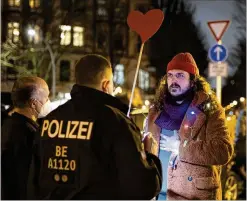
<point x="173" y="113"/>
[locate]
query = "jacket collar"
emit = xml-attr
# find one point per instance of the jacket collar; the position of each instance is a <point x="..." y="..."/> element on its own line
<point x="199" y="98"/>
<point x="29" y="122"/>
<point x="94" y="95"/>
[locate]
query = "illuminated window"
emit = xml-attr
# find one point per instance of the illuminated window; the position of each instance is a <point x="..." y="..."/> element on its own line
<point x="34" y="34"/>
<point x="78" y="39"/>
<point x="102" y="12"/>
<point x="102" y="8"/>
<point x="119" y="74"/>
<point x="65" y="35"/>
<point x="34" y="3"/>
<point x="14" y="3"/>
<point x="13" y="31"/>
<point x="143" y="79"/>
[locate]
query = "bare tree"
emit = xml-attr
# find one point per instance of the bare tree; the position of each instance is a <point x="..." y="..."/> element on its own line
<point x="237" y="82"/>
<point x="40" y="59"/>
<point x="178" y="33"/>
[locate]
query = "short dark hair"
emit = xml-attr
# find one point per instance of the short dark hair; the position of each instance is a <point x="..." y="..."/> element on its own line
<point x="24" y="89"/>
<point x="90" y="69"/>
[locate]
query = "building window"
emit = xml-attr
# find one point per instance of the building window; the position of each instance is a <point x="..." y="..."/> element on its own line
<point x="34" y="34"/>
<point x="119" y="38"/>
<point x="11" y="73"/>
<point x="78" y="39"/>
<point x="78" y="35"/>
<point x="102" y="12"/>
<point x="65" y="35"/>
<point x="14" y="3"/>
<point x="13" y="31"/>
<point x="143" y="79"/>
<point x="120" y="10"/>
<point x="119" y="74"/>
<point x="65" y="71"/>
<point x="34" y="3"/>
<point x="102" y="8"/>
<point x="102" y="36"/>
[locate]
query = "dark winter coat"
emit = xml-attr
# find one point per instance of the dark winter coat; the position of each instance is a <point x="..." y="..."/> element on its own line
<point x="91" y="150"/>
<point x="17" y="134"/>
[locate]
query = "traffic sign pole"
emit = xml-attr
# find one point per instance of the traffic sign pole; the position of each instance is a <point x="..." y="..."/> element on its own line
<point x="219" y="83"/>
<point x="218" y="53"/>
<point x="218" y="88"/>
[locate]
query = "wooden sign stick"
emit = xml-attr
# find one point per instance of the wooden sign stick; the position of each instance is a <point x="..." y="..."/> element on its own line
<point x="135" y="79"/>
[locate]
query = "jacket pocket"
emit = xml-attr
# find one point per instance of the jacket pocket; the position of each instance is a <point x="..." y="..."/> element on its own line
<point x="206" y="183"/>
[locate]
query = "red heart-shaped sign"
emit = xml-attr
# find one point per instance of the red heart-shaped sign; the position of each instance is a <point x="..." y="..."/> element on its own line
<point x="145" y="25"/>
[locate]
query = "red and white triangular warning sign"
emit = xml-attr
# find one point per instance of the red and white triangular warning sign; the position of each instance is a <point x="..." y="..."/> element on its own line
<point x="218" y="28"/>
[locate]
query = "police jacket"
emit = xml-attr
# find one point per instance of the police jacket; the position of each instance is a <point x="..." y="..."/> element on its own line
<point x="17" y="136"/>
<point x="89" y="149"/>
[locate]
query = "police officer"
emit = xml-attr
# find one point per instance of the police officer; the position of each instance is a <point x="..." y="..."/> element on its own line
<point x="89" y="148"/>
<point x="30" y="98"/>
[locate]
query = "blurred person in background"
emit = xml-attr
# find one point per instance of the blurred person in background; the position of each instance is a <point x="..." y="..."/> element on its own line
<point x="30" y="101"/>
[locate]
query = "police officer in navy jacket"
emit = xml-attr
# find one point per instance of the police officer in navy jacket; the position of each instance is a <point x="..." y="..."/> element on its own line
<point x="89" y="148"/>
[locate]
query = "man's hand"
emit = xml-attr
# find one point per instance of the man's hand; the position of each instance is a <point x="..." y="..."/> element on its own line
<point x="150" y="144"/>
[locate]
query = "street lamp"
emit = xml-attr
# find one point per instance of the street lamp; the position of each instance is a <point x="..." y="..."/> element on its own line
<point x="31" y="32"/>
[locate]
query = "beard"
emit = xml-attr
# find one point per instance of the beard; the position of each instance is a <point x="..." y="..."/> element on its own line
<point x="187" y="95"/>
<point x="174" y="86"/>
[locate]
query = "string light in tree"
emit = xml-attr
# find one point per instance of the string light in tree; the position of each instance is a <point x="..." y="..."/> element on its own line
<point x="235" y="102"/>
<point x="242" y="99"/>
<point x="228" y="118"/>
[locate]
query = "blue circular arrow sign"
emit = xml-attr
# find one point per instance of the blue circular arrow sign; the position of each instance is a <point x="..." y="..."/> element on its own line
<point x="218" y="53"/>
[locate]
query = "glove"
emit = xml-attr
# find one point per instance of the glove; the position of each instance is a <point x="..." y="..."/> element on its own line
<point x="170" y="144"/>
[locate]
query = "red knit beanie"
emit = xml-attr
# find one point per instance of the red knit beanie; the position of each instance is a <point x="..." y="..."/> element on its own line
<point x="185" y="62"/>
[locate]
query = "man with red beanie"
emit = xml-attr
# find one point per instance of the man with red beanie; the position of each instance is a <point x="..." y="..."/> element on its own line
<point x="188" y="125"/>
